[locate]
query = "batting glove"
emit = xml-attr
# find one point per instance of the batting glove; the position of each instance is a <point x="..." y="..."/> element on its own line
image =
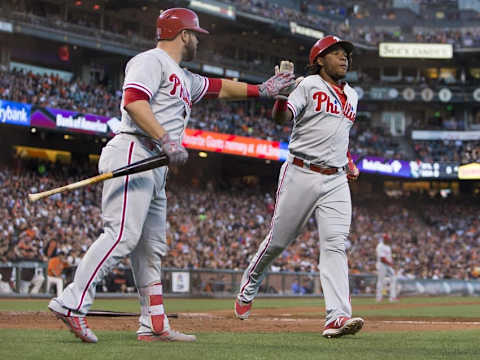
<point x="352" y="171"/>
<point x="285" y="67"/>
<point x="278" y="82"/>
<point x="176" y="153"/>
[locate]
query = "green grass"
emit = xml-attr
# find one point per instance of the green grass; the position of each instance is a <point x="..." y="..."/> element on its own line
<point x="457" y="311"/>
<point x="423" y="345"/>
<point x="61" y="345"/>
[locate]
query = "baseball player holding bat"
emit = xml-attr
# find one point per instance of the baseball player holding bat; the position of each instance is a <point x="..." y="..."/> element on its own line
<point x="157" y="99"/>
<point x="314" y="181"/>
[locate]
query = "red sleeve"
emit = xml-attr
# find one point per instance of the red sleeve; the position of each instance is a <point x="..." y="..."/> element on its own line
<point x="131" y="94"/>
<point x="214" y="87"/>
<point x="280" y="105"/>
<point x="252" y="91"/>
<point x="385" y="261"/>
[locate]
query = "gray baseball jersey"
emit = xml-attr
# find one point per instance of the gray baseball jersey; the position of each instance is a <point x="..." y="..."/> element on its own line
<point x="321" y="126"/>
<point x="320" y="137"/>
<point x="171" y="90"/>
<point x="384" y="271"/>
<point x="134" y="206"/>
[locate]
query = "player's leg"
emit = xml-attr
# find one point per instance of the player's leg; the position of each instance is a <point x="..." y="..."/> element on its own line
<point x="381" y="274"/>
<point x="294" y="204"/>
<point x="333" y="214"/>
<point x="125" y="202"/>
<point x="393" y="284"/>
<point x="146" y="261"/>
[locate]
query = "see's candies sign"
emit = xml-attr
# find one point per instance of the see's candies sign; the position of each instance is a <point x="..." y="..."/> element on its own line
<point x="469" y="172"/>
<point x="235" y="145"/>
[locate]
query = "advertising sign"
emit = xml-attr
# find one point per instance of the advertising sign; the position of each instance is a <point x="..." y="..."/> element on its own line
<point x="407" y="169"/>
<point x="70" y="120"/>
<point x="445" y="135"/>
<point x="215" y="8"/>
<point x="233" y="144"/>
<point x="371" y="164"/>
<point x="181" y="281"/>
<point x="469" y="172"/>
<point x="305" y="31"/>
<point x="6" y="26"/>
<point x="416" y="50"/>
<point x="14" y="113"/>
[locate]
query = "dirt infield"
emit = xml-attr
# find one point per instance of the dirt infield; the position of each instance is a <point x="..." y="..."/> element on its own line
<point x="262" y="320"/>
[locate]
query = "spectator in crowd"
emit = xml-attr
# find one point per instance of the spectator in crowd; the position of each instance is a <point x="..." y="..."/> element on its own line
<point x="5" y="287"/>
<point x="298" y="289"/>
<point x="56" y="267"/>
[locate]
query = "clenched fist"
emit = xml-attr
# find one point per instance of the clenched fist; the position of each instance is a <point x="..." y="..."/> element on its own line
<point x="352" y="171"/>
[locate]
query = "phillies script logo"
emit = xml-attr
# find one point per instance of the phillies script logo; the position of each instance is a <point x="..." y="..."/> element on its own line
<point x="184" y="95"/>
<point x="325" y="103"/>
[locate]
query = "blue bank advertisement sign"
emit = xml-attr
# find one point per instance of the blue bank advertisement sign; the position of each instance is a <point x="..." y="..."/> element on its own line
<point x="14" y="113"/>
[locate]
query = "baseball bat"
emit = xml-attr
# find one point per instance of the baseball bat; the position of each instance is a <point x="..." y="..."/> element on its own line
<point x="139" y="166"/>
<point x="107" y="313"/>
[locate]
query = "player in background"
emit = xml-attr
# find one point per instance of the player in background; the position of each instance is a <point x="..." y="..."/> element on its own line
<point x="157" y="98"/>
<point x="313" y="180"/>
<point x="385" y="269"/>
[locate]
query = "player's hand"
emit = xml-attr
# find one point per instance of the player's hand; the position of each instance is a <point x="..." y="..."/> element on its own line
<point x="285" y="67"/>
<point x="280" y="82"/>
<point x="176" y="153"/>
<point x="352" y="171"/>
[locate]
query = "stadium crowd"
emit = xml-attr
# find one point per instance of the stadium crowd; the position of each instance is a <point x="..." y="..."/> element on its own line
<point x="351" y="20"/>
<point x="210" y="228"/>
<point x="52" y="91"/>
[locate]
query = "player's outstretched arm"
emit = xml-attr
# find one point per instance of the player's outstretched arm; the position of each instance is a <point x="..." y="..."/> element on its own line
<point x="233" y="90"/>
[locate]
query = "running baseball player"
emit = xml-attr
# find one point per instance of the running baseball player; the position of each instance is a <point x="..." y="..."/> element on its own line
<point x="313" y="180"/>
<point x="157" y="98"/>
<point x="385" y="269"/>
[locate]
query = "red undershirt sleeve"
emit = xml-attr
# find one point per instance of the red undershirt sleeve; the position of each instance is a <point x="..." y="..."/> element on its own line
<point x="132" y="94"/>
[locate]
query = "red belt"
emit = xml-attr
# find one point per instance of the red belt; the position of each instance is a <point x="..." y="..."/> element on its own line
<point x="321" y="170"/>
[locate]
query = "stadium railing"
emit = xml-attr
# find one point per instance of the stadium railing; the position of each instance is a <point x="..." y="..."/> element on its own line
<point x="225" y="284"/>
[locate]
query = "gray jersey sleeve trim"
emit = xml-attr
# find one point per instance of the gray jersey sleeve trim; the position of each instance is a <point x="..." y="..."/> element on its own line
<point x="204" y="91"/>
<point x="138" y="87"/>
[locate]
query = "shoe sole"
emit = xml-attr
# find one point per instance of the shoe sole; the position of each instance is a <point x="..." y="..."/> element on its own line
<point x="350" y="328"/>
<point x="67" y="324"/>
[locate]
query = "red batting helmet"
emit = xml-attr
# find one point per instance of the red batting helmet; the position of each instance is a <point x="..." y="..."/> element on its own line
<point x="172" y="21"/>
<point x="328" y="41"/>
